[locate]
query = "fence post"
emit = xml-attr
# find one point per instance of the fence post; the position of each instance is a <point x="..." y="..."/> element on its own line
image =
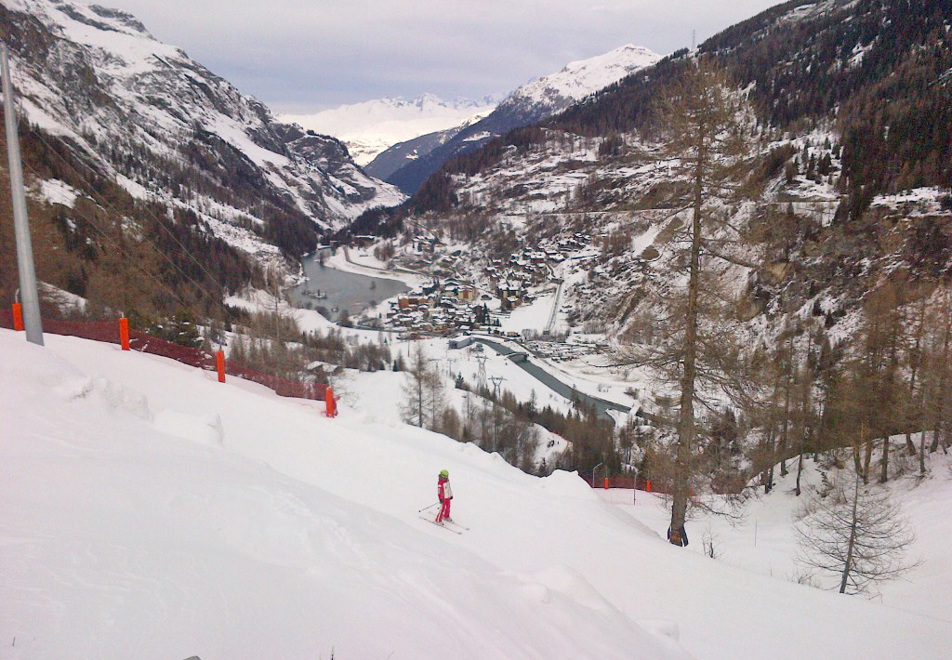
<point x="124" y="333"/>
<point x="18" y="317"/>
<point x="220" y="363"/>
<point x="329" y="401"/>
<point x="606" y="483"/>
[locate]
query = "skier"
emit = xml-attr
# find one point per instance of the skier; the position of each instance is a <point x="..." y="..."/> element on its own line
<point x="445" y="493"/>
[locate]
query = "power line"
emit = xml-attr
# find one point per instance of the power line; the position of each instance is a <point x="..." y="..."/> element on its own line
<point x="104" y="203"/>
<point x="118" y="247"/>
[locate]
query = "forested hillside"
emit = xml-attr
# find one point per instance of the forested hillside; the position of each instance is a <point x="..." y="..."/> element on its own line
<point x="803" y="264"/>
<point x="879" y="70"/>
<point x="156" y="186"/>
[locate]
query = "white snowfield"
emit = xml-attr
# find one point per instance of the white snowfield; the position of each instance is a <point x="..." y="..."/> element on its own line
<point x="150" y="512"/>
<point x="370" y="127"/>
<point x="579" y="79"/>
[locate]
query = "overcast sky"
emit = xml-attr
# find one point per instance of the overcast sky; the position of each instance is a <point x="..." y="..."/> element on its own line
<point x="307" y="55"/>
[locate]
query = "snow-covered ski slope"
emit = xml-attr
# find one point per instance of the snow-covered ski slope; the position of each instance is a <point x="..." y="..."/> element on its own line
<point x="151" y="512"/>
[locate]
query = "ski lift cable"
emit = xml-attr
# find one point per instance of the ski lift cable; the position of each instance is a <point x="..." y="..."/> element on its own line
<point x="105" y="204"/>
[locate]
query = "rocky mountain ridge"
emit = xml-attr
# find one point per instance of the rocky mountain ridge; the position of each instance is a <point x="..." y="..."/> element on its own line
<point x="529" y="103"/>
<point x="398" y="155"/>
<point x="828" y="171"/>
<point x="170" y="131"/>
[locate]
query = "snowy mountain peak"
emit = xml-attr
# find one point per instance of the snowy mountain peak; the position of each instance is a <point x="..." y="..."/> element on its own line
<point x="622" y="60"/>
<point x="370" y="127"/>
<point x="583" y="77"/>
<point x="529" y="103"/>
<point x="94" y="16"/>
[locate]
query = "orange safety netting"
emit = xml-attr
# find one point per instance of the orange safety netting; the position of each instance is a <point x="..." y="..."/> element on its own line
<point x="621" y="481"/>
<point x="282" y="386"/>
<point x="108" y="331"/>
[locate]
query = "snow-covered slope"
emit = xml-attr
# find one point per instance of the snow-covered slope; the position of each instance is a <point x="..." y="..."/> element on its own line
<point x="371" y="127"/>
<point x="577" y="80"/>
<point x="144" y="114"/>
<point x="529" y="103"/>
<point x="152" y="512"/>
<point x="765" y="541"/>
<point x="392" y="159"/>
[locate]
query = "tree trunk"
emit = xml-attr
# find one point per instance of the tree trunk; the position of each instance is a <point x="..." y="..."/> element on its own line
<point x="807" y="419"/>
<point x="818" y="436"/>
<point x="892" y="388"/>
<point x="680" y="490"/>
<point x="940" y="407"/>
<point x="805" y="404"/>
<point x="797" y="491"/>
<point x="884" y="461"/>
<point x="914" y="416"/>
<point x="772" y="436"/>
<point x="867" y="460"/>
<point x="785" y="422"/>
<point x="848" y="566"/>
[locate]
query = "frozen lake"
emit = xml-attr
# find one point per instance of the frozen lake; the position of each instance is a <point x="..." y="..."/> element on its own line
<point x="332" y="291"/>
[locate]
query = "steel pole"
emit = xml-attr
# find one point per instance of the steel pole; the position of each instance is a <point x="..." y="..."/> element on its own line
<point x="21" y="224"/>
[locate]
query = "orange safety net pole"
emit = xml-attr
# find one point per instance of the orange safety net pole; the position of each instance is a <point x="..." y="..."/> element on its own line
<point x="220" y="363"/>
<point x="124" y="333"/>
<point x="18" y="317"/>
<point x="330" y="402"/>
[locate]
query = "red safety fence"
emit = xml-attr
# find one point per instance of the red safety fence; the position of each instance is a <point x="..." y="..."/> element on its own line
<point x="282" y="386"/>
<point x="623" y="481"/>
<point x="108" y="331"/>
<point x="193" y="357"/>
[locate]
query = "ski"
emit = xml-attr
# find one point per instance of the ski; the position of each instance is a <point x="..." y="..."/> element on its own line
<point x="445" y="526"/>
<point x="456" y="524"/>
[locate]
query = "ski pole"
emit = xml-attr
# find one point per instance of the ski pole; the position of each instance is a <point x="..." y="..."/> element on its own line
<point x="427" y="507"/>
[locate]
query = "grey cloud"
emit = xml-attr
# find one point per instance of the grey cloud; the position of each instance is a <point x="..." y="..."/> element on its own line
<point x="303" y="56"/>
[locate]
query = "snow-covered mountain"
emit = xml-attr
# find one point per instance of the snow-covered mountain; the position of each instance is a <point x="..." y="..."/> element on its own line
<point x="577" y="80"/>
<point x="371" y="127"/>
<point x="529" y="103"/>
<point x="800" y="64"/>
<point x="392" y="159"/>
<point x="169" y="131"/>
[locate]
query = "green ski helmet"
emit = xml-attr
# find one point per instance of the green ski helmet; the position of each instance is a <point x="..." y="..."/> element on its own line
<point x="444" y="473"/>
